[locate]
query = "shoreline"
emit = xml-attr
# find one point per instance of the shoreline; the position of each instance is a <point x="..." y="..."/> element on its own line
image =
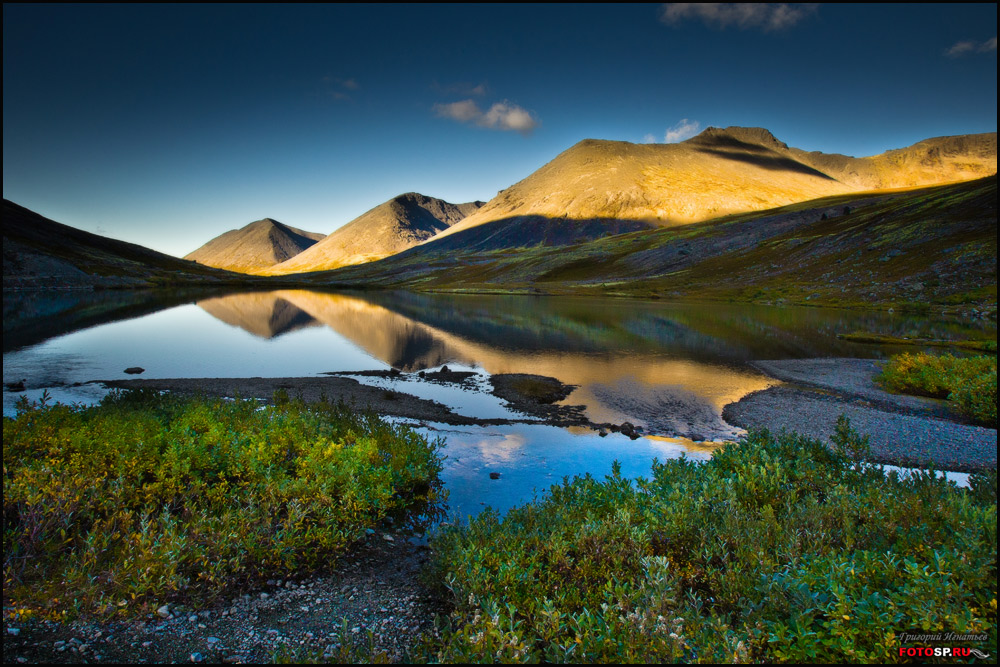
<point x="903" y="430"/>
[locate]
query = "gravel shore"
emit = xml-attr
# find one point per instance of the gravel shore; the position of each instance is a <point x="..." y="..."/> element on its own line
<point x="375" y="587"/>
<point x="902" y="430"/>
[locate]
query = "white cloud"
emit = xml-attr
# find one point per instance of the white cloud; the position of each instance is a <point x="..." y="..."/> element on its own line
<point x="766" y="16"/>
<point x="464" y="111"/>
<point x="685" y="129"/>
<point x="971" y="46"/>
<point x="501" y="116"/>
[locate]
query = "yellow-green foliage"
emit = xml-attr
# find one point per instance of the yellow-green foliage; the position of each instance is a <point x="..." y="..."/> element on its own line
<point x="971" y="382"/>
<point x="778" y="549"/>
<point x="148" y="498"/>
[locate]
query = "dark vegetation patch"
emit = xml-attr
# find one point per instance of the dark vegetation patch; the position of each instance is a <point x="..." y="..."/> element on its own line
<point x="881" y="339"/>
<point x="778" y="549"/>
<point x="151" y="498"/>
<point x="537" y="395"/>
<point x="969" y="382"/>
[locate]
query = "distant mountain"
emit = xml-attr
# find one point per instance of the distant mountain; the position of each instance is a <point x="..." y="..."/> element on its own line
<point x="907" y="248"/>
<point x="255" y="247"/>
<point x="597" y="188"/>
<point x="389" y="228"/>
<point x="39" y="253"/>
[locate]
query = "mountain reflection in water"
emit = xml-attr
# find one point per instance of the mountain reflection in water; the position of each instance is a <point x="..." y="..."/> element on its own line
<point x="669" y="368"/>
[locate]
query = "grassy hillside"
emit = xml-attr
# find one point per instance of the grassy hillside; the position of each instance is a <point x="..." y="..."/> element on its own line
<point x="39" y="253"/>
<point x="719" y="172"/>
<point x="933" y="246"/>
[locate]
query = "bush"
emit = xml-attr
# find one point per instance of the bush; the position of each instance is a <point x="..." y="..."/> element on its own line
<point x="970" y="382"/>
<point x="148" y="498"/>
<point x="777" y="549"/>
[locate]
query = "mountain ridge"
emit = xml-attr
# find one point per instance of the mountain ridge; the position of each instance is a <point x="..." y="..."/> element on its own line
<point x="254" y="247"/>
<point x="387" y="229"/>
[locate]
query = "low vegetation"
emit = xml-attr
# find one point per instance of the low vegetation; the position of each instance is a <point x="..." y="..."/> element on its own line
<point x="768" y="552"/>
<point x="881" y="339"/>
<point x="146" y="498"/>
<point x="969" y="382"/>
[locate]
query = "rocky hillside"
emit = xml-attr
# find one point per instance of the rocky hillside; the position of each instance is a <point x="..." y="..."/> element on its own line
<point x="251" y="249"/>
<point x="624" y="187"/>
<point x="387" y="229"/>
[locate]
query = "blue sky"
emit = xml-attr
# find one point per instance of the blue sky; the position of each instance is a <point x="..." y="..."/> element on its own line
<point x="168" y="125"/>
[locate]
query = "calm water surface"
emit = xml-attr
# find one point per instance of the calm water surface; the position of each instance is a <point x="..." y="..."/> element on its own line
<point x="668" y="368"/>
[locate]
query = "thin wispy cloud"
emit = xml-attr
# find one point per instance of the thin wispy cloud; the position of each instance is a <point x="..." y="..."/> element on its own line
<point x="750" y="15"/>
<point x="685" y="129"/>
<point x="504" y="116"/>
<point x="971" y="46"/>
<point x="339" y="88"/>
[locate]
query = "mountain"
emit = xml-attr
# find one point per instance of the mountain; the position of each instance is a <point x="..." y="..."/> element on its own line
<point x="929" y="246"/>
<point x="389" y="228"/>
<point x="253" y="248"/>
<point x="597" y="188"/>
<point x="39" y="253"/>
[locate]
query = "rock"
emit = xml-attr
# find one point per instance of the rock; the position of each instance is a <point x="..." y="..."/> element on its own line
<point x="212" y="640"/>
<point x="16" y="386"/>
<point x="13" y="632"/>
<point x="388" y="538"/>
<point x="197" y="657"/>
<point x="164" y="611"/>
<point x="135" y="370"/>
<point x="603" y="433"/>
<point x="494" y="475"/>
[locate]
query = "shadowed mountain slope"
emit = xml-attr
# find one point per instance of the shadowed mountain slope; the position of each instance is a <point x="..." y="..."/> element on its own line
<point x="719" y="172"/>
<point x="255" y="247"/>
<point x="39" y="253"/>
<point x="933" y="246"/>
<point x="389" y="228"/>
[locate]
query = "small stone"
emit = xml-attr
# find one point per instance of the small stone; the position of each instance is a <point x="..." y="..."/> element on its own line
<point x="212" y="640"/>
<point x="197" y="657"/>
<point x="13" y="632"/>
<point x="147" y="644"/>
<point x="388" y="538"/>
<point x="164" y="611"/>
<point x="494" y="475"/>
<point x="59" y="644"/>
<point x="135" y="370"/>
<point x="264" y="596"/>
<point x="192" y="618"/>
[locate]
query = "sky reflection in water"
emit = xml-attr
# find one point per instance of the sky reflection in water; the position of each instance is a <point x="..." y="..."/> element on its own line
<point x="668" y="368"/>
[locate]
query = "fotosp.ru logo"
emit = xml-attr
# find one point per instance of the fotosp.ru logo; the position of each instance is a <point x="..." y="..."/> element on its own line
<point x="931" y="651"/>
<point x="941" y="652"/>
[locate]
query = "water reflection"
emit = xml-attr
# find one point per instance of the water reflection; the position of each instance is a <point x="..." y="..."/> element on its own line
<point x="668" y="367"/>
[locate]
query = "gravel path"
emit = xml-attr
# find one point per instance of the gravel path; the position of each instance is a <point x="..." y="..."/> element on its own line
<point x="902" y="430"/>
<point x="375" y="587"/>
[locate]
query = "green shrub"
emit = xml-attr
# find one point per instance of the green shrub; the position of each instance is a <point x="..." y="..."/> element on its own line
<point x="970" y="382"/>
<point x="148" y="498"/>
<point x="777" y="549"/>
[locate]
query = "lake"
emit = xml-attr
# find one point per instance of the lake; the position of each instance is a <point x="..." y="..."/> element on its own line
<point x="667" y="368"/>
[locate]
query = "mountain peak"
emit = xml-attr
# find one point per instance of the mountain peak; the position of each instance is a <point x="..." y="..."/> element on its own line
<point x="747" y="135"/>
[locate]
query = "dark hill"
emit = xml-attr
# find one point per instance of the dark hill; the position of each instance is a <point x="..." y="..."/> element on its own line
<point x="39" y="253"/>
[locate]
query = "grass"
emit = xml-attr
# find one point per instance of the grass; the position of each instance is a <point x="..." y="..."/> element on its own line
<point x="880" y="339"/>
<point x="769" y="552"/>
<point x="146" y="499"/>
<point x="969" y="382"/>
